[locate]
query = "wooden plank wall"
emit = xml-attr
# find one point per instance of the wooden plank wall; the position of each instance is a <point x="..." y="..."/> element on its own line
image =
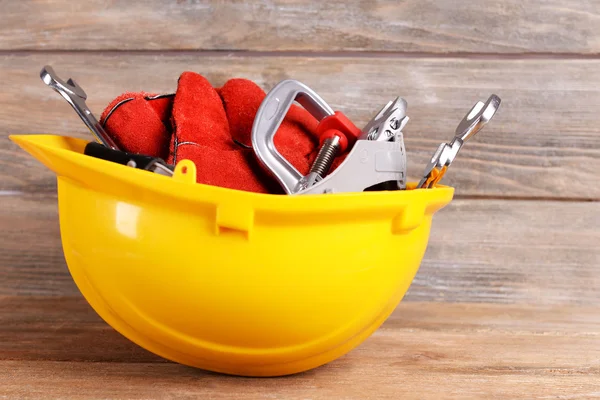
<point x="523" y="228"/>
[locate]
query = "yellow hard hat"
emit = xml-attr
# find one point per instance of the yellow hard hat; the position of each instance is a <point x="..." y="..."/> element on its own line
<point x="231" y="281"/>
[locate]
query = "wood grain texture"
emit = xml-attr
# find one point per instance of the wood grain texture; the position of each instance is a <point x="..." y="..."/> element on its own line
<point x="543" y="143"/>
<point x="72" y="380"/>
<point x="421" y="351"/>
<point x="505" y="304"/>
<point x="435" y="26"/>
<point x="479" y="251"/>
<point x="62" y="329"/>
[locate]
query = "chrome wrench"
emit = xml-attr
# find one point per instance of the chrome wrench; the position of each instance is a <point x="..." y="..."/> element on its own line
<point x="75" y="96"/>
<point x="473" y="122"/>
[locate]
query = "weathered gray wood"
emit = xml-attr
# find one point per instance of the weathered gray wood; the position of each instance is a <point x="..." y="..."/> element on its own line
<point x="434" y="26"/>
<point x="422" y="351"/>
<point x="513" y="251"/>
<point x="494" y="251"/>
<point x="544" y="142"/>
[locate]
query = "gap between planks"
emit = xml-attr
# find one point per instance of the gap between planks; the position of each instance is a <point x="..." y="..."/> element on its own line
<point x="313" y="54"/>
<point x="46" y="190"/>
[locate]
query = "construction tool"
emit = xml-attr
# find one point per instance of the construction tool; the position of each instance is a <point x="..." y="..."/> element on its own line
<point x="76" y="96"/>
<point x="369" y="162"/>
<point x="140" y="161"/>
<point x="388" y="121"/>
<point x="473" y="122"/>
<point x="107" y="150"/>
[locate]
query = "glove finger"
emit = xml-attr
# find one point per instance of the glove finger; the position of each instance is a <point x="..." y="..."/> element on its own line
<point x="198" y="119"/>
<point x="139" y="123"/>
<point x="296" y="137"/>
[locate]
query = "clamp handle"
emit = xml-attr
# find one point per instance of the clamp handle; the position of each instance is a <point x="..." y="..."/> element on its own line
<point x="269" y="117"/>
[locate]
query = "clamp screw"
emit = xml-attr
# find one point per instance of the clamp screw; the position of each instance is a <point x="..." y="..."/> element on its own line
<point x="326" y="155"/>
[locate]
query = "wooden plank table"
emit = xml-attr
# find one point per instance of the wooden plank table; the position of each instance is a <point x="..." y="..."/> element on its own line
<point x="507" y="301"/>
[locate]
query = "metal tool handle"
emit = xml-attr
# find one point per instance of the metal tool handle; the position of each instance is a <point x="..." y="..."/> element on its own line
<point x="140" y="161"/>
<point x="76" y="96"/>
<point x="269" y="117"/>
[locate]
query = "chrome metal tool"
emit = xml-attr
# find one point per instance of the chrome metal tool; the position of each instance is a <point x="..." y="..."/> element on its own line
<point x="390" y="120"/>
<point x="76" y="96"/>
<point x="473" y="122"/>
<point x="372" y="160"/>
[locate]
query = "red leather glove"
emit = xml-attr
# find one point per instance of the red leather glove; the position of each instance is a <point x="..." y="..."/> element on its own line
<point x="140" y="123"/>
<point x="203" y="124"/>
